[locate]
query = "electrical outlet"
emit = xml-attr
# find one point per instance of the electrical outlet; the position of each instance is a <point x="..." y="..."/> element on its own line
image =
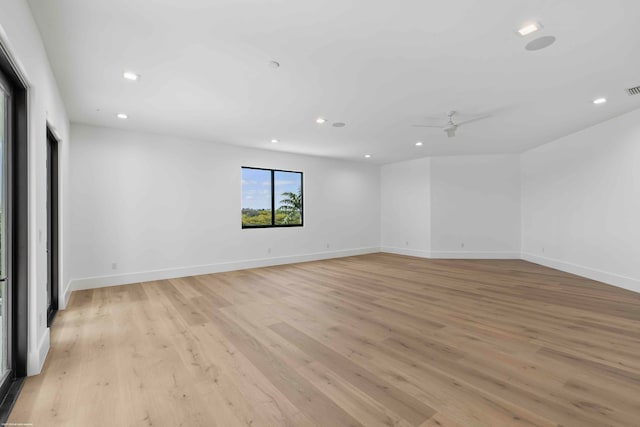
<point x="462" y="245"/>
<point x="328" y="246"/>
<point x="114" y="265"/>
<point x="406" y="243"/>
<point x="268" y="250"/>
<point x="543" y="250"/>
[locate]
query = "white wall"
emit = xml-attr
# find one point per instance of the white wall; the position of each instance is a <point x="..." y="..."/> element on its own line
<point x="163" y="207"/>
<point x="431" y="207"/>
<point x="20" y="36"/>
<point x="475" y="207"/>
<point x="405" y="194"/>
<point x="581" y="202"/>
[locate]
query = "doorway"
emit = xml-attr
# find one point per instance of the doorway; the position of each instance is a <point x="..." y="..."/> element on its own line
<point x="14" y="232"/>
<point x="52" y="227"/>
<point x="6" y="113"/>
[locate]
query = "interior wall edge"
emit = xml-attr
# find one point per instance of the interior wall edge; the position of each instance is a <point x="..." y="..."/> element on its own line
<point x="172" y="273"/>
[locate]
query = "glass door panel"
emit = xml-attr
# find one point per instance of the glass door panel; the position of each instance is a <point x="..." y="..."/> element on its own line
<point x="4" y="129"/>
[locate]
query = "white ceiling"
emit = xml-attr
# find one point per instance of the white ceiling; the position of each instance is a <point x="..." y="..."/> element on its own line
<point x="378" y="65"/>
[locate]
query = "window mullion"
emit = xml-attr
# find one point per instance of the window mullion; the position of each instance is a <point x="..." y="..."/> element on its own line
<point x="273" y="198"/>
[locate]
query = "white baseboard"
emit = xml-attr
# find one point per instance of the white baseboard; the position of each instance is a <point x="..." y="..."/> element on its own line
<point x="35" y="359"/>
<point x="406" y="251"/>
<point x="580" y="270"/>
<point x="475" y="255"/>
<point x="171" y="273"/>
<point x="145" y="276"/>
<point x="451" y="254"/>
<point x="62" y="302"/>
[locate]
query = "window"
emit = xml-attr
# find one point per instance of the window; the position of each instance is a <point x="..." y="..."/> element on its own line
<point x="271" y="198"/>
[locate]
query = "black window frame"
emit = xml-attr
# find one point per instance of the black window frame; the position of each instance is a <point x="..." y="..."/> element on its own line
<point x="273" y="200"/>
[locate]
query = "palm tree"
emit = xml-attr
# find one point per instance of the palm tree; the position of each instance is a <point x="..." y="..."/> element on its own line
<point x="292" y="206"/>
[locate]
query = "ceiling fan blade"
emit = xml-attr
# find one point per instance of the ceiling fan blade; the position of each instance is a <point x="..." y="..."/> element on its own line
<point x="428" y="126"/>
<point x="475" y="119"/>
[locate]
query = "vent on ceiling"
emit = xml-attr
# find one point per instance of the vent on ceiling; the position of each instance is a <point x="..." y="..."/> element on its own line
<point x="634" y="90"/>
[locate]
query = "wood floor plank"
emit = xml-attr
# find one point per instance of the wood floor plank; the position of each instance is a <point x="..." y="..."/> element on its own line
<point x="302" y="393"/>
<point x="349" y="397"/>
<point x="401" y="403"/>
<point x="438" y="389"/>
<point x="372" y="340"/>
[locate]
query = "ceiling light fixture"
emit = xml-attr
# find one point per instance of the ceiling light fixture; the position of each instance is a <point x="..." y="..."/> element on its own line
<point x="367" y="156"/>
<point x="419" y="144"/>
<point x="275" y="141"/>
<point x="529" y="29"/>
<point x="122" y="116"/>
<point x="131" y="76"/>
<point x="599" y="101"/>
<point x="321" y="120"/>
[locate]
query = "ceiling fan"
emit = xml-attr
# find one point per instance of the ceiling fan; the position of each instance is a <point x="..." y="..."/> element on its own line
<point x="451" y="126"/>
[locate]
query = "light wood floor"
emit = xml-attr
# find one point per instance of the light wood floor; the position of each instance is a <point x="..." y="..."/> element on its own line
<point x="370" y="340"/>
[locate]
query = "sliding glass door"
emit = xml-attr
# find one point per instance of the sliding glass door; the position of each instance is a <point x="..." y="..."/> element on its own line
<point x="14" y="232"/>
<point x="5" y="120"/>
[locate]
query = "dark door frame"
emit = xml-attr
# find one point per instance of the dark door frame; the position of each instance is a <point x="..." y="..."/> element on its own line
<point x="18" y="236"/>
<point x="53" y="267"/>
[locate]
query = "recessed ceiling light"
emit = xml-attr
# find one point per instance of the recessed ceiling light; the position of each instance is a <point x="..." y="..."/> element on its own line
<point x="598" y="101"/>
<point x="122" y="116"/>
<point x="321" y="120"/>
<point x="529" y="29"/>
<point x="130" y="76"/>
<point x="419" y="144"/>
<point x="275" y="141"/>
<point x="367" y="156"/>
